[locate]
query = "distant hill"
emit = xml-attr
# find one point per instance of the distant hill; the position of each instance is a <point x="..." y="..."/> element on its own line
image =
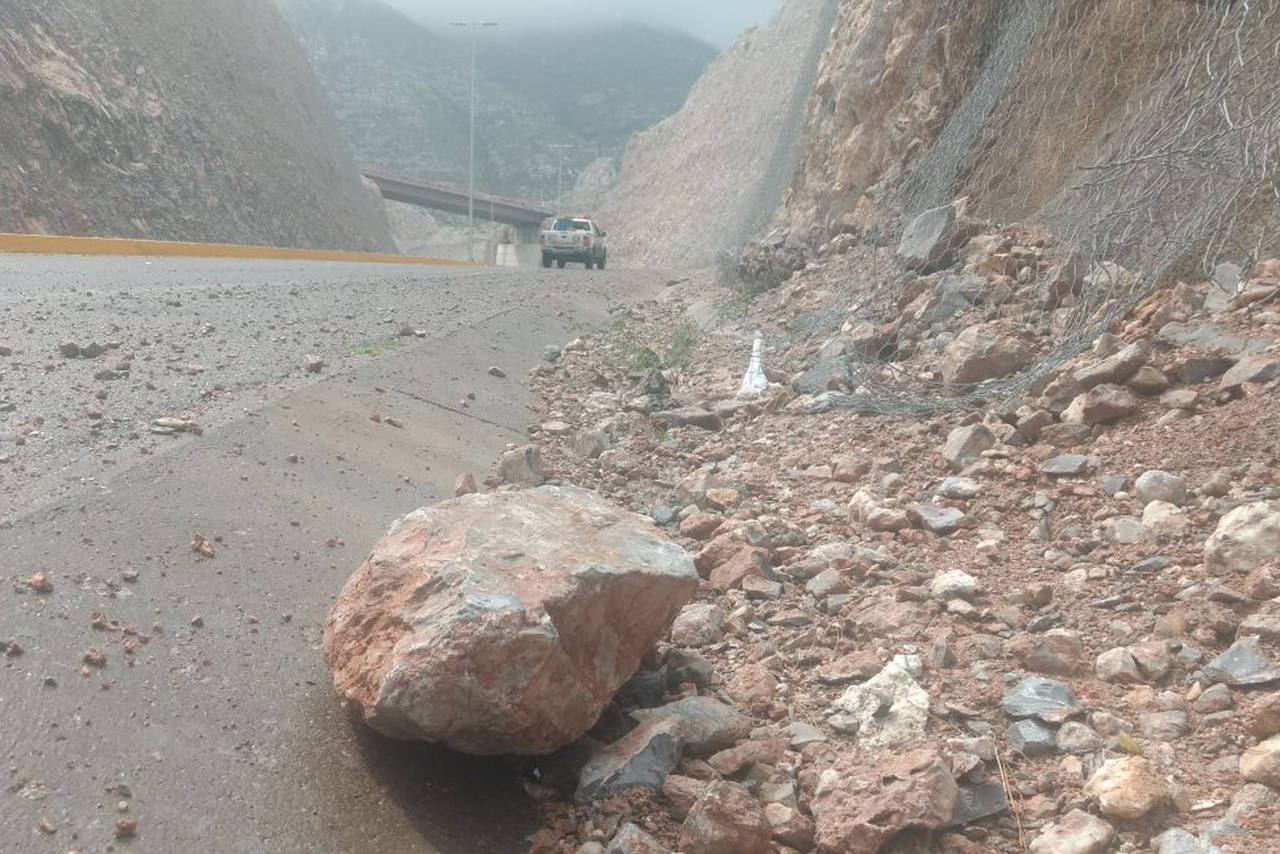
<point x="196" y="121"/>
<point x="400" y="90"/>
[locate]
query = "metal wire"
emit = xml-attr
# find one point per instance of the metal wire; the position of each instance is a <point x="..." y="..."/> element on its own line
<point x="1179" y="113"/>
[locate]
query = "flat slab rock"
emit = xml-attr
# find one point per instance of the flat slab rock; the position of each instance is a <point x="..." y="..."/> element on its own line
<point x="503" y="622"/>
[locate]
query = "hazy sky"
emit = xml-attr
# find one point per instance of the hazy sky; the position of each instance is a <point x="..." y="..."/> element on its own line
<point x="716" y="21"/>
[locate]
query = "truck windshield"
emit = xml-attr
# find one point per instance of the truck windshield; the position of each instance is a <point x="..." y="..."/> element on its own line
<point x="571" y="225"/>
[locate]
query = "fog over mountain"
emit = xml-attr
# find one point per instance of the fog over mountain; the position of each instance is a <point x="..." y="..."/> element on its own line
<point x="715" y="21"/>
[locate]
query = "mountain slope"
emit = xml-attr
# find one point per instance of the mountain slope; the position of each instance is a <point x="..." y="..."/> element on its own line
<point x="401" y="92"/>
<point x="186" y="121"/>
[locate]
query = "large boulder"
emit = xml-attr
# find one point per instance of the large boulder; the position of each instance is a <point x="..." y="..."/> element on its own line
<point x="982" y="353"/>
<point x="930" y="240"/>
<point x="503" y="622"/>
<point x="1246" y="538"/>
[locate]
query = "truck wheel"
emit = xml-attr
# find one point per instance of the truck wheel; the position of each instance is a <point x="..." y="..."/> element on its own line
<point x="560" y="264"/>
<point x="587" y="263"/>
<point x="546" y="260"/>
<point x="602" y="260"/>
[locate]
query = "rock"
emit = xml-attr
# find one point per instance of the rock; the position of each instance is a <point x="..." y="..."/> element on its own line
<point x="1261" y="763"/>
<point x="826" y="375"/>
<point x="690" y="416"/>
<point x="1066" y="435"/>
<point x="1167" y="725"/>
<point x="901" y="723"/>
<point x="1242" y="663"/>
<point x="966" y="444"/>
<point x="700" y="525"/>
<point x="1264" y="715"/>
<point x="698" y="624"/>
<point x="959" y="488"/>
<point x="1148" y="381"/>
<point x="976" y="801"/>
<point x="800" y="733"/>
<point x="630" y="839"/>
<point x="1117" y="666"/>
<point x="1260" y="368"/>
<point x="1030" y="738"/>
<point x="1215" y="698"/>
<point x="1100" y="404"/>
<point x="745" y="563"/>
<point x="726" y="819"/>
<point x="1115" y="369"/>
<point x="522" y="467"/>
<point x="1077" y="832"/>
<point x="681" y="793"/>
<point x="1246" y="538"/>
<point x="69" y="349"/>
<point x="1067" y="465"/>
<point x="936" y="520"/>
<point x="752" y="687"/>
<point x="312" y="364"/>
<point x="1265" y="627"/>
<point x="981" y="353"/>
<point x="1127" y="788"/>
<point x="1156" y="485"/>
<point x="1178" y="841"/>
<point x="1153" y="659"/>
<point x="1163" y="518"/>
<point x="1047" y="699"/>
<point x="930" y="240"/>
<point x="859" y="808"/>
<point x="827" y="583"/>
<point x="495" y="371"/>
<point x="1125" y="531"/>
<point x="503" y="622"/>
<point x="850" y="667"/>
<point x="790" y="827"/>
<point x="590" y="444"/>
<point x="1058" y="652"/>
<point x="640" y="759"/>
<point x="763" y="751"/>
<point x="706" y="724"/>
<point x="954" y="584"/>
<point x="464" y="485"/>
<point x="1077" y="738"/>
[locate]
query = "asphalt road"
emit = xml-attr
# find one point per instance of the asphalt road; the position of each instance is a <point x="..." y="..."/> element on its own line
<point x="213" y="722"/>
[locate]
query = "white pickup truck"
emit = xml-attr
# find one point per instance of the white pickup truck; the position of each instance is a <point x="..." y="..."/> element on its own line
<point x="574" y="238"/>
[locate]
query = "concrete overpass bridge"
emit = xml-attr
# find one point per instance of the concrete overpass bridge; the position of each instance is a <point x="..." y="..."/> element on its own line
<point x="523" y="217"/>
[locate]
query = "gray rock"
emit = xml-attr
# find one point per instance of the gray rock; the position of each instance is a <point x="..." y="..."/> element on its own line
<point x="690" y="416"/>
<point x="522" y="467"/>
<point x="1077" y="738"/>
<point x="959" y="488"/>
<point x="827" y="582"/>
<point x="1243" y="663"/>
<point x="1125" y="531"/>
<point x="829" y="375"/>
<point x="1077" y="832"/>
<point x="937" y="520"/>
<point x="800" y="733"/>
<point x="1215" y="698"/>
<point x="640" y="759"/>
<point x="1156" y="485"/>
<point x="1066" y="465"/>
<point x="966" y="444"/>
<point x="706" y="724"/>
<point x="1066" y="435"/>
<point x="662" y="514"/>
<point x="1047" y="699"/>
<point x="979" y="800"/>
<point x="890" y="709"/>
<point x="1178" y="841"/>
<point x="1031" y="738"/>
<point x="1252" y="369"/>
<point x="699" y="624"/>
<point x="929" y="242"/>
<point x="630" y="839"/>
<point x="1115" y="369"/>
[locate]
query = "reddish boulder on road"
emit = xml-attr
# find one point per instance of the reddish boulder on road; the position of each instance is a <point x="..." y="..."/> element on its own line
<point x="503" y="622"/>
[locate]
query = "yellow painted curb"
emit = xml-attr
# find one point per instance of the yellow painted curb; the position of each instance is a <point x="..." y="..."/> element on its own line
<point x="49" y="244"/>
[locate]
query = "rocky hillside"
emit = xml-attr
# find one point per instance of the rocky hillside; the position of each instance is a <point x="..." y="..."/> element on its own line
<point x="401" y="92"/>
<point x="1097" y="118"/>
<point x="699" y="183"/>
<point x="186" y="121"/>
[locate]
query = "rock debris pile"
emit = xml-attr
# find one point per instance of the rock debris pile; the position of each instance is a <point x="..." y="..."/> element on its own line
<point x="1048" y="624"/>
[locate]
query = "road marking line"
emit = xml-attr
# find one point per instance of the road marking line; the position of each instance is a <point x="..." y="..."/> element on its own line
<point x="49" y="244"/>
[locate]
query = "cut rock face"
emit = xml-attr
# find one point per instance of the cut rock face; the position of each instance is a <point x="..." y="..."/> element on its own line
<point x="503" y="622"/>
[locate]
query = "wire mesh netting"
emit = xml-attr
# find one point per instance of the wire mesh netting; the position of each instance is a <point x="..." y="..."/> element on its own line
<point x="1143" y="135"/>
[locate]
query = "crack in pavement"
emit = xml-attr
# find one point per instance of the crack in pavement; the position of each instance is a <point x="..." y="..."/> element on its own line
<point x="456" y="411"/>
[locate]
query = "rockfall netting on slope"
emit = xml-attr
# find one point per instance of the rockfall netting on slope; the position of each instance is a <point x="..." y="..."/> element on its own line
<point x="1143" y="137"/>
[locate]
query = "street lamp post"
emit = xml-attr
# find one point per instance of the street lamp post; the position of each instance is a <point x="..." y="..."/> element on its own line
<point x="471" y="172"/>
<point x="562" y="148"/>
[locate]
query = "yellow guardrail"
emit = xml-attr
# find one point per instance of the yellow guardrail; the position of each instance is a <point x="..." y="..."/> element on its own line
<point x="50" y="244"/>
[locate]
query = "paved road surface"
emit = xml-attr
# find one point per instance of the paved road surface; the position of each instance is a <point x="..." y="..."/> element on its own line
<point x="226" y="735"/>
